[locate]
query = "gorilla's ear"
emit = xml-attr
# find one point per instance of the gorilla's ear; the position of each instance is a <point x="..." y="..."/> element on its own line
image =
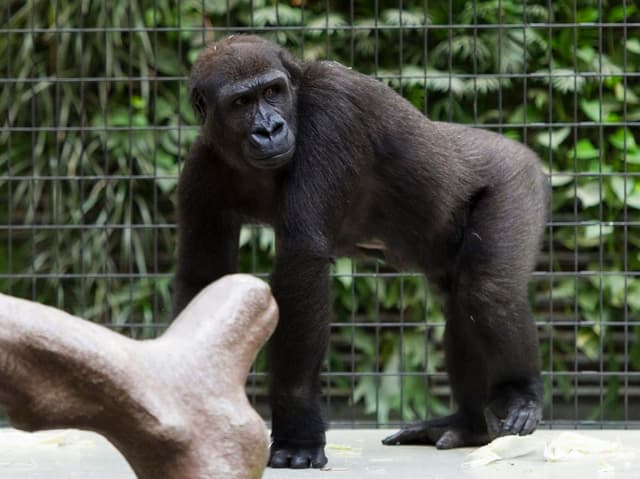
<point x="293" y="66"/>
<point x="198" y="103"/>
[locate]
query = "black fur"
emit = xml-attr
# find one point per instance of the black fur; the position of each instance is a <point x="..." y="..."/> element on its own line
<point x="368" y="173"/>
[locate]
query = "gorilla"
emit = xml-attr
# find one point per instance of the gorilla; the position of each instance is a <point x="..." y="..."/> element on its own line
<point x="340" y="164"/>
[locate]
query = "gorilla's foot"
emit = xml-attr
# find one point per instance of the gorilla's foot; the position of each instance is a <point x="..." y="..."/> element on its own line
<point x="445" y="433"/>
<point x="297" y="457"/>
<point x="175" y="406"/>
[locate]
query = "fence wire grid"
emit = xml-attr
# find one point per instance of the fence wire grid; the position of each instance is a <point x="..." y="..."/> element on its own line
<point x="96" y="123"/>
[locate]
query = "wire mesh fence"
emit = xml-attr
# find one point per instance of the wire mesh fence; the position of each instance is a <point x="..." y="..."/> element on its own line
<point x="96" y="120"/>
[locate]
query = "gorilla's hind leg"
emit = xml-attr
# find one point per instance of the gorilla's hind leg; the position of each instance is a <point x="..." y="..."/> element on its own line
<point x="490" y="341"/>
<point x="493" y="374"/>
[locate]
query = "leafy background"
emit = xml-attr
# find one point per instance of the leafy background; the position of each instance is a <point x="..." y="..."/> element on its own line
<point x="95" y="122"/>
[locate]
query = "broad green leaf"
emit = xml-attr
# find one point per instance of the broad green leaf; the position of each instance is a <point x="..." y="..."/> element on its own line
<point x="592" y="236"/>
<point x="588" y="299"/>
<point x="552" y="138"/>
<point x="625" y="94"/>
<point x="593" y="109"/>
<point x="564" y="288"/>
<point x="513" y="134"/>
<point x="589" y="194"/>
<point x="559" y="179"/>
<point x="632" y="157"/>
<point x="633" y="45"/>
<point x="587" y="54"/>
<point x="267" y="239"/>
<point x="588" y="343"/>
<point x="138" y="102"/>
<point x="620" y="13"/>
<point x="633" y="293"/>
<point x="587" y="15"/>
<point x="597" y="231"/>
<point x="539" y="96"/>
<point x="621" y="188"/>
<point x="615" y="286"/>
<point x="584" y="150"/>
<point x="532" y="114"/>
<point x="167" y="185"/>
<point x="623" y="139"/>
<point x="634" y="200"/>
<point x="343" y="269"/>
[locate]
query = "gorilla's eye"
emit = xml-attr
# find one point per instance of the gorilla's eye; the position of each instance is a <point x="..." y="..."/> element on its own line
<point x="271" y="91"/>
<point x="241" y="100"/>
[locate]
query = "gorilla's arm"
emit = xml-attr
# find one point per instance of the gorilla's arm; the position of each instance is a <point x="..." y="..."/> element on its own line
<point x="208" y="231"/>
<point x="300" y="284"/>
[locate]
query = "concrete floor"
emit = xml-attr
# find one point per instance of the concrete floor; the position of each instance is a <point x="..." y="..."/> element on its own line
<point x="352" y="454"/>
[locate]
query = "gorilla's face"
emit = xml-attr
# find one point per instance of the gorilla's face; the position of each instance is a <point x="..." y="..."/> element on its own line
<point x="258" y="115"/>
<point x="247" y="108"/>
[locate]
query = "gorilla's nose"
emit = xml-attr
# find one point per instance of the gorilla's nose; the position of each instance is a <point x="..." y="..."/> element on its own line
<point x="266" y="135"/>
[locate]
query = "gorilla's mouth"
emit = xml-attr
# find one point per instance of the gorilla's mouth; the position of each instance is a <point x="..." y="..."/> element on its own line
<point x="272" y="161"/>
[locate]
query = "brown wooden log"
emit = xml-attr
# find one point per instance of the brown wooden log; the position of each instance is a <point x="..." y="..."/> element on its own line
<point x="175" y="406"/>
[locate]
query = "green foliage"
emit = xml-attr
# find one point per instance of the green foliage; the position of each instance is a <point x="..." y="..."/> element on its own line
<point x="97" y="118"/>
